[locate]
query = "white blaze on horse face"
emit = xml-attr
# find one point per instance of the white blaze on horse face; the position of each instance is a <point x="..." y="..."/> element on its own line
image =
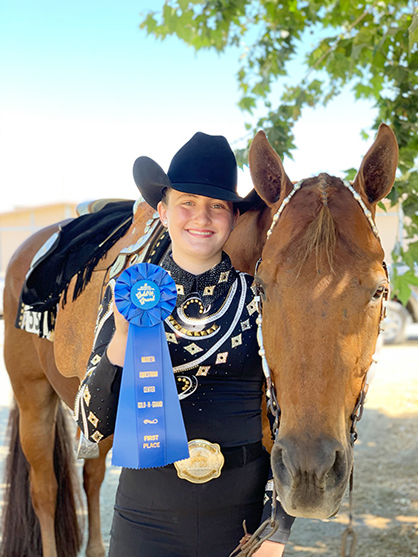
<point x="199" y="228"/>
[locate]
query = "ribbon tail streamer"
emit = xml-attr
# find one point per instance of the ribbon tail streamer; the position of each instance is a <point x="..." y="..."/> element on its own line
<point x="149" y="429"/>
<point x="176" y="438"/>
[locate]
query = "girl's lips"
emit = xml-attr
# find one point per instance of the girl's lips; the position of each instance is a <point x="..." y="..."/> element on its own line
<point x="202" y="233"/>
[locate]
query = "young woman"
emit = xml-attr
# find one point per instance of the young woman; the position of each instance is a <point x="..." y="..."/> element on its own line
<point x="212" y="341"/>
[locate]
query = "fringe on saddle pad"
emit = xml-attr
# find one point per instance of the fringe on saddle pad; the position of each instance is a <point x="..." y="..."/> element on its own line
<point x="81" y="245"/>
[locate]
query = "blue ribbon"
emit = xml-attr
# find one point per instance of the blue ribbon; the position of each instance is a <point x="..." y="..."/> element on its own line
<point x="149" y="429"/>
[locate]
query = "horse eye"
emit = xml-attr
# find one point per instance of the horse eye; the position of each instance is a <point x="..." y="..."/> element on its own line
<point x="379" y="292"/>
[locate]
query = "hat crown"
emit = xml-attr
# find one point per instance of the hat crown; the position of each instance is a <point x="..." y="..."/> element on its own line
<point x="205" y="160"/>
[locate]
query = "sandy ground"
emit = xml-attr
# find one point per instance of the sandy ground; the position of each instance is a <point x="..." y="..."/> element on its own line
<point x="386" y="467"/>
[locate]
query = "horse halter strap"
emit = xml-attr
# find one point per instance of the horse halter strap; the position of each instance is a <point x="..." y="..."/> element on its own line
<point x="272" y="403"/>
<point x="297" y="187"/>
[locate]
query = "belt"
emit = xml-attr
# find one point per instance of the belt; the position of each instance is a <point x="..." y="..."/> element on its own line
<point x="236" y="457"/>
<point x="207" y="460"/>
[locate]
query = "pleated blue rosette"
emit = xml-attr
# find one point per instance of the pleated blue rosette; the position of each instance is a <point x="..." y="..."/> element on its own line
<point x="149" y="429"/>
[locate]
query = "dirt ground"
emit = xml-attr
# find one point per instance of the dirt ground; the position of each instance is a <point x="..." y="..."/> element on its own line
<point x="386" y="468"/>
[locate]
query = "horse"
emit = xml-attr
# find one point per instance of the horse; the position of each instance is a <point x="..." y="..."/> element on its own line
<point x="321" y="283"/>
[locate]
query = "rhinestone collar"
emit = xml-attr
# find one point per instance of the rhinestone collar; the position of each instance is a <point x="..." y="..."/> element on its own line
<point x="210" y="285"/>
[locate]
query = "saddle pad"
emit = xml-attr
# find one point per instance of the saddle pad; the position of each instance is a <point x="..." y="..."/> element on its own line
<point x="80" y="246"/>
<point x="152" y="246"/>
<point x="73" y="250"/>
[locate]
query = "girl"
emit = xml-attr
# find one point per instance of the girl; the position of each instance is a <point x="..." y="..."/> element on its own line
<point x="211" y="334"/>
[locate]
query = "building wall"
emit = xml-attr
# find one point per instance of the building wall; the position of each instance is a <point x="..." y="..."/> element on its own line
<point x="388" y="225"/>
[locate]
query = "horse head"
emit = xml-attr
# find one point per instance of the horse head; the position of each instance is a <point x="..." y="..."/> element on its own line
<point x="322" y="281"/>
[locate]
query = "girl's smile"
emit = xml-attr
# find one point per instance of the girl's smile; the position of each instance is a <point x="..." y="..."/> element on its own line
<point x="199" y="227"/>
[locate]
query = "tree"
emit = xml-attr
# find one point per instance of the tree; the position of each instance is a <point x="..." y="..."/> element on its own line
<point x="370" y="45"/>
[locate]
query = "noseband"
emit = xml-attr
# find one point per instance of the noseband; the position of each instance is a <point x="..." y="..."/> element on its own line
<point x="272" y="403"/>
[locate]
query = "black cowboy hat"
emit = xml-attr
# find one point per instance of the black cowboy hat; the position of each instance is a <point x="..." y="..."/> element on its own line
<point x="205" y="165"/>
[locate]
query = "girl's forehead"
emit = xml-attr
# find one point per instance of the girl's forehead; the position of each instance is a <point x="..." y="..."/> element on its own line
<point x="178" y="195"/>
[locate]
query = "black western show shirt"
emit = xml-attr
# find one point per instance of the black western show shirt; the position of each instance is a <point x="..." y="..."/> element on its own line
<point x="211" y="336"/>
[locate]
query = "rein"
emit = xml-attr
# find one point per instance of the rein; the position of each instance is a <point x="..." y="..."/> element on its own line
<point x="251" y="545"/>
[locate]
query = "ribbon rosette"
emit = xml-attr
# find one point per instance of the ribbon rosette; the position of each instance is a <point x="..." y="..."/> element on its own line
<point x="149" y="429"/>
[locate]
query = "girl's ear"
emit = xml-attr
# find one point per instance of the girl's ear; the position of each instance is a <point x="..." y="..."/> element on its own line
<point x="162" y="212"/>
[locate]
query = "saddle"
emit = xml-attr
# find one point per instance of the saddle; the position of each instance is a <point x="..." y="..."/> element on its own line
<point x="76" y="249"/>
<point x="90" y="207"/>
<point x="69" y="259"/>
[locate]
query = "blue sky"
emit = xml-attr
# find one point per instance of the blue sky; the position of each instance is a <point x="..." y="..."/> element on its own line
<point x="84" y="92"/>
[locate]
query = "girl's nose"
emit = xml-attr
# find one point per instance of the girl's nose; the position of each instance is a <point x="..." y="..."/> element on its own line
<point x="202" y="215"/>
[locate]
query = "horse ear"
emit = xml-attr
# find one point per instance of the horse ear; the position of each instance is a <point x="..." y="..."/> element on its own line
<point x="377" y="171"/>
<point x="267" y="172"/>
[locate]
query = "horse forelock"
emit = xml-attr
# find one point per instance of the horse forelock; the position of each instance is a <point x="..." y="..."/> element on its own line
<point x="320" y="239"/>
<point x="317" y="235"/>
<point x="323" y="214"/>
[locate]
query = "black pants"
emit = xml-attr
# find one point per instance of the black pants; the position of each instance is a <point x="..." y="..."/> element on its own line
<point x="159" y="515"/>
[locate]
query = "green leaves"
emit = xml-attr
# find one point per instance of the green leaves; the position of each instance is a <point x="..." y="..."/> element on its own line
<point x="370" y="45"/>
<point x="247" y="103"/>
<point x="413" y="31"/>
<point x="401" y="285"/>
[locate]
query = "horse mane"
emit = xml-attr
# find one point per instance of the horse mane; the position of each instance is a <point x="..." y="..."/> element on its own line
<point x="320" y="237"/>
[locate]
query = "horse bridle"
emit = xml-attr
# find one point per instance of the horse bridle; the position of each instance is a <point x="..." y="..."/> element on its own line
<point x="272" y="403"/>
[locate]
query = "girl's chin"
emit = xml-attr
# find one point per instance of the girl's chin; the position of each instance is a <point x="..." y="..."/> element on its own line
<point x="200" y="249"/>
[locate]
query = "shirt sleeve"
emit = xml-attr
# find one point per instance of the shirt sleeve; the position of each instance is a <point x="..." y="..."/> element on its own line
<point x="97" y="401"/>
<point x="97" y="398"/>
<point x="285" y="520"/>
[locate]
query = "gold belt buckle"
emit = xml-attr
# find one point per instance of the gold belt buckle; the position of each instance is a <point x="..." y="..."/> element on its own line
<point x="204" y="464"/>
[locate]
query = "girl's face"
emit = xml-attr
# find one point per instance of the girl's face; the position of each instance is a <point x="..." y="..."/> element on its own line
<point x="199" y="226"/>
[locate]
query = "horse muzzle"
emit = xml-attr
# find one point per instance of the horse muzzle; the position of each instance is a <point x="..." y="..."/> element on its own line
<point x="311" y="477"/>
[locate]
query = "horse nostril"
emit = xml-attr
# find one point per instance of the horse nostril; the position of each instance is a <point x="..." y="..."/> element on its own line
<point x="281" y="465"/>
<point x="339" y="467"/>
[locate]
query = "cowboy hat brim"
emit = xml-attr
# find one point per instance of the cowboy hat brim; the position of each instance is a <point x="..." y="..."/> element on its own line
<point x="151" y="180"/>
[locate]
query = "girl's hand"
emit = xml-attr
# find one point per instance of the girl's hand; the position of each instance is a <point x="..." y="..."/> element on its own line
<point x="122" y="325"/>
<point x="117" y="346"/>
<point x="270" y="549"/>
<point x="267" y="548"/>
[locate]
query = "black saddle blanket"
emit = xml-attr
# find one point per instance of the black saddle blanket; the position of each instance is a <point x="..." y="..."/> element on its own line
<point x="79" y="247"/>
